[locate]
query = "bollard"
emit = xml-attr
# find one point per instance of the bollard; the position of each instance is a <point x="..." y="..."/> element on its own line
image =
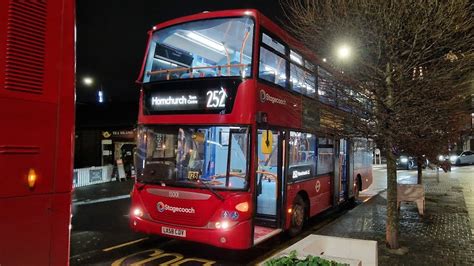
<point x="437" y="174"/>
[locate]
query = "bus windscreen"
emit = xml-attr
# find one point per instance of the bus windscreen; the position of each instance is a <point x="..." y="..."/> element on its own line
<point x="205" y="48"/>
<point x="185" y="156"/>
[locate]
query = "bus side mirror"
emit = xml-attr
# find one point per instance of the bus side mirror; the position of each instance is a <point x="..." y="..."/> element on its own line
<point x="267" y="142"/>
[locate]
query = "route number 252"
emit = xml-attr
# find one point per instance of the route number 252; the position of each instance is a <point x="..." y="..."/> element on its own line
<point x="216" y="98"/>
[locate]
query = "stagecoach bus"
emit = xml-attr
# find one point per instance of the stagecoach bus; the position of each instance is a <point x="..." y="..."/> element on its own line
<point x="233" y="146"/>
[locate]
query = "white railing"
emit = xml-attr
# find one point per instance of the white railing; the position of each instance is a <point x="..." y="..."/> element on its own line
<point x="92" y="175"/>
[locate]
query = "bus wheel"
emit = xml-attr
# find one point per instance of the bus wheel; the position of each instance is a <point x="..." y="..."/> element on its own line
<point x="298" y="216"/>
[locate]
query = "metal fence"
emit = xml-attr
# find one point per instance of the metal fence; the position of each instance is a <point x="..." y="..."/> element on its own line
<point x="92" y="175"/>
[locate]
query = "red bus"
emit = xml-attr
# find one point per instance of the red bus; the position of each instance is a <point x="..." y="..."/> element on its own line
<point x="233" y="146"/>
<point x="36" y="140"/>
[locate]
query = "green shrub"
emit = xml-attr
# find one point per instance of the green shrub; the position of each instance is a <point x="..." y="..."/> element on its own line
<point x="292" y="259"/>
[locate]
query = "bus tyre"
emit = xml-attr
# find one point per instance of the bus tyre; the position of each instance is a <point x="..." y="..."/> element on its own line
<point x="356" y="192"/>
<point x="298" y="216"/>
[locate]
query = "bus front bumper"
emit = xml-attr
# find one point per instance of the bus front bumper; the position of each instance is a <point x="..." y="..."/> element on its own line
<point x="236" y="237"/>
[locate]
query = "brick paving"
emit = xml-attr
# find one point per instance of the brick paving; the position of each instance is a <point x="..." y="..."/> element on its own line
<point x="442" y="237"/>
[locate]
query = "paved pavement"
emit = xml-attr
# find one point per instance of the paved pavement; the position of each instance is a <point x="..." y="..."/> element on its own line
<point x="467" y="183"/>
<point x="102" y="192"/>
<point x="442" y="237"/>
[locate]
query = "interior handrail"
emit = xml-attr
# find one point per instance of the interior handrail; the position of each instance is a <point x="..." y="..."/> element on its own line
<point x="190" y="69"/>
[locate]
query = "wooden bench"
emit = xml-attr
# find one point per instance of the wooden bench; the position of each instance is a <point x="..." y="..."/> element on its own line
<point x="411" y="193"/>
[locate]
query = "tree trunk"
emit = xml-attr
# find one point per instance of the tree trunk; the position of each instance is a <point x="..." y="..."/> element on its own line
<point x="420" y="169"/>
<point x="391" y="234"/>
<point x="392" y="209"/>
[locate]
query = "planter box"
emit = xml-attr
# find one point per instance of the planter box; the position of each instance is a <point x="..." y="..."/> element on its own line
<point x="355" y="252"/>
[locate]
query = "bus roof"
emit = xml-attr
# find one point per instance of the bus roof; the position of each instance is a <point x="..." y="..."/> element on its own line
<point x="206" y="15"/>
<point x="261" y="19"/>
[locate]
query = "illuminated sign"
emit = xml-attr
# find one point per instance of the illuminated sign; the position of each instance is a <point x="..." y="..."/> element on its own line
<point x="301" y="171"/>
<point x="297" y="173"/>
<point x="180" y="100"/>
<point x="196" y="97"/>
<point x="213" y="99"/>
<point x="216" y="98"/>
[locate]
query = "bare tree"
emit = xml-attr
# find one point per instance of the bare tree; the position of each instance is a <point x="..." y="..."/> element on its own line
<point x="411" y="59"/>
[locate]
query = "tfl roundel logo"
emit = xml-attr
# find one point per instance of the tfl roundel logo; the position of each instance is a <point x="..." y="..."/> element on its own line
<point x="160" y="206"/>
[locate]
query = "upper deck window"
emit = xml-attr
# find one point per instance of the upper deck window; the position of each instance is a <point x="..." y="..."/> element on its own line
<point x="273" y="64"/>
<point x="302" y="81"/>
<point x="326" y="87"/>
<point x="273" y="44"/>
<point x="272" y="67"/>
<point x="206" y="48"/>
<point x="295" y="57"/>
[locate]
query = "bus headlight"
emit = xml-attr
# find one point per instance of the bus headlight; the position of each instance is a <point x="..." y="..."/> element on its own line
<point x="137" y="212"/>
<point x="224" y="224"/>
<point x="404" y="160"/>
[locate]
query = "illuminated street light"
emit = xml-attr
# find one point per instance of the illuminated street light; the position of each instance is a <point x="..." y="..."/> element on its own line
<point x="344" y="52"/>
<point x="88" y="81"/>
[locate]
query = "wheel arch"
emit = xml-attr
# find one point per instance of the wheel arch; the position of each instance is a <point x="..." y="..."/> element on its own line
<point x="304" y="195"/>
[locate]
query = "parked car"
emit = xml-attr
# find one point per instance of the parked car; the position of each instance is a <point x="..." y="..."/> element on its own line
<point x="466" y="157"/>
<point x="407" y="162"/>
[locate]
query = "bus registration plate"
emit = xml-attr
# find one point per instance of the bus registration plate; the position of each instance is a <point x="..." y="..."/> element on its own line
<point x="173" y="231"/>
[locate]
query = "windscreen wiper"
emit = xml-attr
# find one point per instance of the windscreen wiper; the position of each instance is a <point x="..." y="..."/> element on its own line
<point x="212" y="190"/>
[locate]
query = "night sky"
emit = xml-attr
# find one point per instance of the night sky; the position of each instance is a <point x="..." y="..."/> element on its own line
<point x="112" y="35"/>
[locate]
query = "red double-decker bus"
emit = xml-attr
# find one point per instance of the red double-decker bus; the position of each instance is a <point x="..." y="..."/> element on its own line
<point x="37" y="134"/>
<point x="234" y="141"/>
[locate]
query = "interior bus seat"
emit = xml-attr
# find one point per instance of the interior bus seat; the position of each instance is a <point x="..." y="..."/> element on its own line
<point x="234" y="70"/>
<point x="266" y="202"/>
<point x="201" y="73"/>
<point x="174" y="76"/>
<point x="282" y="82"/>
<point x="233" y="60"/>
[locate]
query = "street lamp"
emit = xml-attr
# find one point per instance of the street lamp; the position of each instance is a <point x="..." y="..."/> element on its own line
<point x="343" y="52"/>
<point x="89" y="82"/>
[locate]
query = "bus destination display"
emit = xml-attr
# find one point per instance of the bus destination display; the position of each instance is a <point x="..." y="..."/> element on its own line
<point x="197" y="97"/>
<point x="188" y="100"/>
